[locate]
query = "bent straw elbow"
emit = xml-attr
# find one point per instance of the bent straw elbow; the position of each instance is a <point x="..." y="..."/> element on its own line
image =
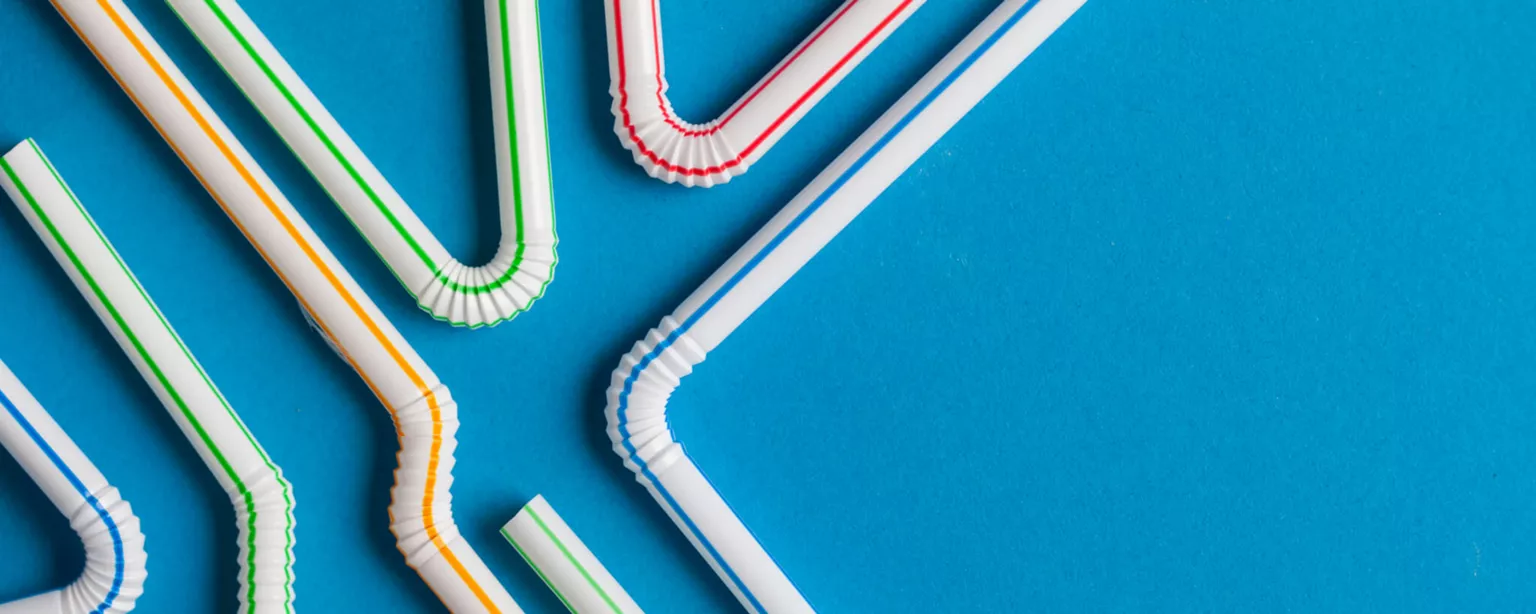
<point x="115" y="561"/>
<point x="444" y="287"/>
<point x="421" y="508"/>
<point x="642" y="436"/>
<point x="266" y="562"/>
<point x="709" y="154"/>
<point x="421" y="505"/>
<point x="110" y="577"/>
<point x="495" y="292"/>
<point x="637" y="400"/>
<point x="103" y="563"/>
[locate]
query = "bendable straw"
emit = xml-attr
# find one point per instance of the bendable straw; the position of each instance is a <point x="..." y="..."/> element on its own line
<point x="461" y="295"/>
<point x="646" y="377"/>
<point x="565" y="564"/>
<point x="424" y="413"/>
<point x="263" y="500"/>
<point x="114" y="547"/>
<point x="712" y="153"/>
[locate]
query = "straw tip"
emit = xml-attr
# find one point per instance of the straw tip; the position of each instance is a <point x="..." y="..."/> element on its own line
<point x="26" y="144"/>
<point x="532" y="507"/>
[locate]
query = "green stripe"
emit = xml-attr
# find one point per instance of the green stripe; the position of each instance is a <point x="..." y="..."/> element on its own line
<point x="569" y="557"/>
<point x="249" y="438"/>
<point x="517" y="197"/>
<point x="176" y="10"/>
<point x="154" y="367"/>
<point x="549" y="155"/>
<point x="536" y="569"/>
<point x="517" y="171"/>
<point x="325" y="139"/>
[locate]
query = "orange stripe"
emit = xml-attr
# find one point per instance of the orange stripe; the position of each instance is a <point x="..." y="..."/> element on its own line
<point x="199" y="176"/>
<point x="433" y="459"/>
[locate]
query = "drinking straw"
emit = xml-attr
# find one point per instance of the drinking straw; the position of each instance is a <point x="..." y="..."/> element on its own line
<point x="262" y="499"/>
<point x="114" y="547"/>
<point x="711" y="153"/>
<point x="646" y="377"/>
<point x="565" y="564"/>
<point x="451" y="291"/>
<point x="425" y="416"/>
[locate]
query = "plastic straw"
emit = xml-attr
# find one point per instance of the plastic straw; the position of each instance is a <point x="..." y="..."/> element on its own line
<point x="263" y="500"/>
<point x="114" y="547"/>
<point x="707" y="154"/>
<point x="424" y="413"/>
<point x="565" y="564"/>
<point x="646" y="377"/>
<point x="462" y="295"/>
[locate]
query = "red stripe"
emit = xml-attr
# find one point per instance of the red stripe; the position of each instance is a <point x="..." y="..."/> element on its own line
<point x="667" y="116"/>
<point x="645" y="150"/>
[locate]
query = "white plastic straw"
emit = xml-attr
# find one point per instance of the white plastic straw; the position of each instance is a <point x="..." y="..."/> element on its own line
<point x="263" y="500"/>
<point x="565" y="564"/>
<point x="114" y="547"/>
<point x="711" y="153"/>
<point x="425" y="415"/>
<point x="646" y="377"/>
<point x="451" y="291"/>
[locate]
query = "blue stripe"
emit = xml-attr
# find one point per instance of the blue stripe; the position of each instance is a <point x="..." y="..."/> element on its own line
<point x="757" y="259"/>
<point x="74" y="480"/>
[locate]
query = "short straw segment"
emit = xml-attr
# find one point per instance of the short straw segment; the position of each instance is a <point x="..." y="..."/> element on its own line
<point x="647" y="376"/>
<point x="451" y="291"/>
<point x="711" y="153"/>
<point x="263" y="500"/>
<point x="424" y="413"/>
<point x="565" y="564"/>
<point x="114" y="547"/>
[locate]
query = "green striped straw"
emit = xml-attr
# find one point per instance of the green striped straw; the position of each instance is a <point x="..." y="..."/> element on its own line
<point x="263" y="500"/>
<point x="448" y="289"/>
<point x="565" y="564"/>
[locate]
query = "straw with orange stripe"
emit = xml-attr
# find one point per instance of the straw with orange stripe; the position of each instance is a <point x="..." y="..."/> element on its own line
<point x="425" y="415"/>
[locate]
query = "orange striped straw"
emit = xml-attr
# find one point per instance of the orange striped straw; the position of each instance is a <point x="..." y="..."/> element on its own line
<point x="424" y="413"/>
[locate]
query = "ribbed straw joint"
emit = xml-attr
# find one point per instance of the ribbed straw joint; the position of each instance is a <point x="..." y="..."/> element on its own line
<point x="678" y="142"/>
<point x="421" y="507"/>
<point x="272" y="552"/>
<point x="486" y="295"/>
<point x="95" y="583"/>
<point x="641" y="434"/>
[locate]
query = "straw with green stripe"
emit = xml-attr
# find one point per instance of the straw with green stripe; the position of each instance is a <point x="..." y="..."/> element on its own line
<point x="263" y="499"/>
<point x="451" y="291"/>
<point x="564" y="563"/>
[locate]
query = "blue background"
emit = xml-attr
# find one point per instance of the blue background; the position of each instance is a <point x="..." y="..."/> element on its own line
<point x="1212" y="306"/>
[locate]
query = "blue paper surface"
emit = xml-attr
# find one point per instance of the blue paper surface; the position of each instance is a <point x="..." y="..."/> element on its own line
<point x="1215" y="306"/>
